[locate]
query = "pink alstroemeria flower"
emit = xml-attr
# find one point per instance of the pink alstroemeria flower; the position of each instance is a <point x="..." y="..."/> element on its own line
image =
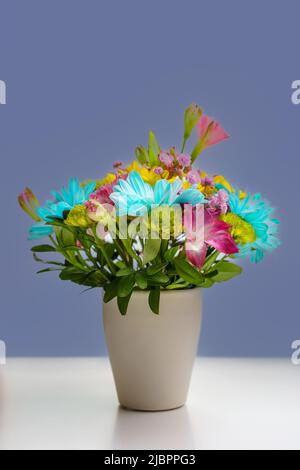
<point x="215" y="234"/>
<point x="184" y="160"/>
<point x="220" y="201"/>
<point x="193" y="177"/>
<point x="210" y="132"/>
<point x="102" y="195"/>
<point x="166" y="159"/>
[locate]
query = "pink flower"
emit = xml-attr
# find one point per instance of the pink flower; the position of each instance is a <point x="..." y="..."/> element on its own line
<point x="102" y="195"/>
<point x="158" y="170"/>
<point x="215" y="234"/>
<point x="210" y="132"/>
<point x="166" y="159"/>
<point x="193" y="177"/>
<point x="122" y="177"/>
<point x="91" y="207"/>
<point x="206" y="181"/>
<point x="220" y="201"/>
<point x="184" y="160"/>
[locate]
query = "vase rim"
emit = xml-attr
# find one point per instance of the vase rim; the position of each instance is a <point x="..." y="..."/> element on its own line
<point x="169" y="291"/>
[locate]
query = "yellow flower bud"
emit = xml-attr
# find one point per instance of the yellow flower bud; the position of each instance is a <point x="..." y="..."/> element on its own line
<point x="78" y="217"/>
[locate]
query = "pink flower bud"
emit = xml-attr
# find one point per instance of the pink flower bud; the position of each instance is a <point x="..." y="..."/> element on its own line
<point x="79" y="245"/>
<point x="184" y="160"/>
<point x="193" y="177"/>
<point x="166" y="159"/>
<point x="29" y="203"/>
<point x="206" y="181"/>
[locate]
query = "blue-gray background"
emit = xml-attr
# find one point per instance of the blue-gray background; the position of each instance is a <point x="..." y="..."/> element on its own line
<point x="86" y="80"/>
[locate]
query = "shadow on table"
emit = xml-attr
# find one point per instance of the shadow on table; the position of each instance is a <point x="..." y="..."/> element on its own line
<point x="158" y="430"/>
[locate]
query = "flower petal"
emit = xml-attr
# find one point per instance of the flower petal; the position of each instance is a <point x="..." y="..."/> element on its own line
<point x="196" y="254"/>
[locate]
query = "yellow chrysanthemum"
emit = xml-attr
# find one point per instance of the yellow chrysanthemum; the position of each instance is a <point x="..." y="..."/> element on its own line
<point x="78" y="217"/>
<point x="174" y="178"/>
<point x="186" y="185"/>
<point x="165" y="175"/>
<point x="134" y="166"/>
<point x="149" y="176"/>
<point x="206" y="190"/>
<point x="242" y="194"/>
<point x="219" y="179"/>
<point x="110" y="178"/>
<point x="240" y="230"/>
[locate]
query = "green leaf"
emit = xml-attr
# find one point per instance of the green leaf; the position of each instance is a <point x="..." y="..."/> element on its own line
<point x="210" y="260"/>
<point x="70" y="273"/>
<point x="191" y="117"/>
<point x="40" y="260"/>
<point x="128" y="246"/>
<point x="142" y="155"/>
<point x="87" y="290"/>
<point x="126" y="285"/>
<point x="155" y="268"/>
<point x="207" y="283"/>
<point x="187" y="272"/>
<point x="121" y="264"/>
<point x="151" y="250"/>
<point x="159" y="278"/>
<point x="212" y="273"/>
<point x="48" y="270"/>
<point x="91" y="278"/>
<point x="111" y="291"/>
<point x="68" y="238"/>
<point x="124" y="272"/>
<point x="178" y="286"/>
<point x="154" y="300"/>
<point x="43" y="249"/>
<point x="228" y="266"/>
<point x="65" y="235"/>
<point x="141" y="281"/>
<point x="153" y="150"/>
<point x="171" y="254"/>
<point x="226" y="271"/>
<point x="110" y="249"/>
<point x="123" y="303"/>
<point x="71" y="248"/>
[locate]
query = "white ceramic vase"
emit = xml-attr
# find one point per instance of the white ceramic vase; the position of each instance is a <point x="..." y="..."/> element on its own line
<point x="152" y="356"/>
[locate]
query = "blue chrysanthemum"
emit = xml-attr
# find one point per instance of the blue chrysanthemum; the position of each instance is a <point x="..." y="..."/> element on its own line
<point x="257" y="212"/>
<point x="134" y="197"/>
<point x="69" y="198"/>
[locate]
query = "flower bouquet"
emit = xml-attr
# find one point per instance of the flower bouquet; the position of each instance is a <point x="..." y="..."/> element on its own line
<point x="152" y="234"/>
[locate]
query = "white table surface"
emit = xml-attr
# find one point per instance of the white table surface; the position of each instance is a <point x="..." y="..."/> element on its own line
<point x="71" y="404"/>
